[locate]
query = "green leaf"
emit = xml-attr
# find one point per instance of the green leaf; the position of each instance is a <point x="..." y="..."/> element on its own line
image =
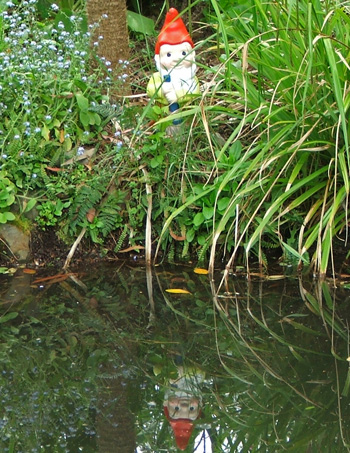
<point x="223" y="203"/>
<point x="8" y="317"/>
<point x="293" y="252"/>
<point x="82" y="101"/>
<point x="190" y="235"/>
<point x="198" y="219"/>
<point x="97" y="119"/>
<point x="4" y="270"/>
<point x="6" y="217"/>
<point x="84" y="118"/>
<point x="208" y="212"/>
<point x="30" y="205"/>
<point x="45" y="132"/>
<point x="139" y="23"/>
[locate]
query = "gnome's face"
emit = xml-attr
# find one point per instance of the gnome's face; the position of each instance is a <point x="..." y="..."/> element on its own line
<point x="177" y="56"/>
<point x="183" y="407"/>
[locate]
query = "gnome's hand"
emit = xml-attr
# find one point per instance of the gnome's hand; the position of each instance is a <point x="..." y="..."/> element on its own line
<point x="169" y="92"/>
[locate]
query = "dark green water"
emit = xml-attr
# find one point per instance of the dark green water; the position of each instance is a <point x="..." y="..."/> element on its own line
<point x="89" y="362"/>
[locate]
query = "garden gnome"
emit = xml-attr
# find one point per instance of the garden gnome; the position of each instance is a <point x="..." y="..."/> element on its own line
<point x="182" y="404"/>
<point x="175" y="80"/>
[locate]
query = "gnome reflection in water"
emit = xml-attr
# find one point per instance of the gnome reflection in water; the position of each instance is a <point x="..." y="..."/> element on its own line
<point x="175" y="80"/>
<point x="182" y="402"/>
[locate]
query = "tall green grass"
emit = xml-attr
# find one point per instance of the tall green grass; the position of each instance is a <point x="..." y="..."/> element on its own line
<point x="282" y="168"/>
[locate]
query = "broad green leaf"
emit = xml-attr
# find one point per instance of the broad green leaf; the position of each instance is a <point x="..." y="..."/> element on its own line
<point x="84" y="118"/>
<point x="223" y="203"/>
<point x="208" y="212"/>
<point x="139" y="23"/>
<point x="8" y="317"/>
<point x="45" y="132"/>
<point x="82" y="101"/>
<point x="198" y="219"/>
<point x="6" y="217"/>
<point x="30" y="205"/>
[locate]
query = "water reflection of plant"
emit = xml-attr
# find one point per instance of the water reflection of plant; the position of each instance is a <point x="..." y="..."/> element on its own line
<point x="83" y="355"/>
<point x="293" y="399"/>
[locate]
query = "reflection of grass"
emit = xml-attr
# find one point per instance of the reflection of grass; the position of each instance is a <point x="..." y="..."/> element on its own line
<point x="293" y="401"/>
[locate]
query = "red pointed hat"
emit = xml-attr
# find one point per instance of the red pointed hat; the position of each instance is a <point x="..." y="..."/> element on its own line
<point x="174" y="31"/>
<point x="182" y="428"/>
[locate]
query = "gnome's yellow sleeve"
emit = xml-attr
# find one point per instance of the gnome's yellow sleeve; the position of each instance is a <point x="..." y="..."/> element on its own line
<point x="154" y="89"/>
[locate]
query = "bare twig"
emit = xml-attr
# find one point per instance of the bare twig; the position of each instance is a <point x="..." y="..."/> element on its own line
<point x="74" y="247"/>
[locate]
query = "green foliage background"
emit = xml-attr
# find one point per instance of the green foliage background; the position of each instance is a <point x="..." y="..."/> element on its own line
<point x="262" y="161"/>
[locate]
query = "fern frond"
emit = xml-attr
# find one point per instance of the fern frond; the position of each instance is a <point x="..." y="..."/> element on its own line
<point x="44" y="176"/>
<point x="186" y="246"/>
<point x="56" y="157"/>
<point x="106" y="110"/>
<point x="121" y="239"/>
<point x="108" y="217"/>
<point x="86" y="198"/>
<point x="14" y="147"/>
<point x="171" y="253"/>
<point x="202" y="252"/>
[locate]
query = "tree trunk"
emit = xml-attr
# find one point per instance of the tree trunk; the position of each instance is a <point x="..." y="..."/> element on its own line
<point x="111" y="34"/>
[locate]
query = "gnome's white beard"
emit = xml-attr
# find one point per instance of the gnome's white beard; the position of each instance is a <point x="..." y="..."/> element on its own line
<point x="180" y="75"/>
<point x="182" y="80"/>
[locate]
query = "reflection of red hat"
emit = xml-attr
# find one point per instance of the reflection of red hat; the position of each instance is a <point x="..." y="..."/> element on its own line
<point x="182" y="428"/>
<point x="174" y="31"/>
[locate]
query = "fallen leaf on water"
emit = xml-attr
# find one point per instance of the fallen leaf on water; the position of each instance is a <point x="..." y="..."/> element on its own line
<point x="53" y="278"/>
<point x="275" y="277"/>
<point x="199" y="270"/>
<point x="177" y="291"/>
<point x="29" y="271"/>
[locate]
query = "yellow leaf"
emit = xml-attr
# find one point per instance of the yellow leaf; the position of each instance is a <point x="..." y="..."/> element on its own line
<point x="177" y="291"/>
<point x="199" y="270"/>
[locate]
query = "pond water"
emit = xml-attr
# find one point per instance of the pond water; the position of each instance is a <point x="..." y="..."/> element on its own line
<point x="118" y="358"/>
